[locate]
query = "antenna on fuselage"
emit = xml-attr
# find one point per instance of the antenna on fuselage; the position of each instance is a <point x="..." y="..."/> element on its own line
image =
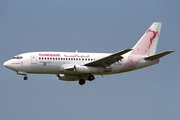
<point x="76" y="51"/>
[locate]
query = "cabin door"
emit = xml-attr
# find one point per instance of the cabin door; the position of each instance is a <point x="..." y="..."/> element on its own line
<point x="33" y="59"/>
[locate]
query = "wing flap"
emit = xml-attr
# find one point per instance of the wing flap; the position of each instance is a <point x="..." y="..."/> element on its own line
<point x="157" y="56"/>
<point x="106" y="61"/>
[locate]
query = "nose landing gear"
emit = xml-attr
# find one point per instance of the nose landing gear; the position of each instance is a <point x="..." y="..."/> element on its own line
<point x="23" y="73"/>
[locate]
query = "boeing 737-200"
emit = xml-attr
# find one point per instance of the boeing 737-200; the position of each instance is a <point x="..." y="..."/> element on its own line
<point x="79" y="66"/>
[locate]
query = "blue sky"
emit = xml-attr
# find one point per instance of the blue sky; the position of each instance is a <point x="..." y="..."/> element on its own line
<point x="89" y="26"/>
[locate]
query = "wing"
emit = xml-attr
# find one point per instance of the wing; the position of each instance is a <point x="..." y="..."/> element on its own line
<point x="106" y="61"/>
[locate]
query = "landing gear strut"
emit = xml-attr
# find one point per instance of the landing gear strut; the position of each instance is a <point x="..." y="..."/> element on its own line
<point x="82" y="81"/>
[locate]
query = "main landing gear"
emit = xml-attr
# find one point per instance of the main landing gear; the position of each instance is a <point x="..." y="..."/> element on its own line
<point x="90" y="78"/>
<point x="82" y="81"/>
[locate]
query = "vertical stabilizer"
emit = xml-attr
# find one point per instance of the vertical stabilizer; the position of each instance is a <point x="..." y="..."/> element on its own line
<point x="148" y="42"/>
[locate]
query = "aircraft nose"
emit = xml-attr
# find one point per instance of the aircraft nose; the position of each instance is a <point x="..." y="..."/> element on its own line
<point x="7" y="64"/>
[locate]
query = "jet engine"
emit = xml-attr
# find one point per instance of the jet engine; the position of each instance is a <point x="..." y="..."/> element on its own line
<point x="70" y="77"/>
<point x="88" y="69"/>
<point x="70" y="69"/>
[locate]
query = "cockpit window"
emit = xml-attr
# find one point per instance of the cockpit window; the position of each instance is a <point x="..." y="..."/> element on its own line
<point x="17" y="57"/>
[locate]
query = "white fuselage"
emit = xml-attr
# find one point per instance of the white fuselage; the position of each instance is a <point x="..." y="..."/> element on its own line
<point x="56" y="62"/>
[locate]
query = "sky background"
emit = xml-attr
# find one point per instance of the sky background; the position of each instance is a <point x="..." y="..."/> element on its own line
<point x="151" y="93"/>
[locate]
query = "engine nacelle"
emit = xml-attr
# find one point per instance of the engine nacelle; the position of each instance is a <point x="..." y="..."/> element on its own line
<point x="70" y="77"/>
<point x="70" y="69"/>
<point x="88" y="69"/>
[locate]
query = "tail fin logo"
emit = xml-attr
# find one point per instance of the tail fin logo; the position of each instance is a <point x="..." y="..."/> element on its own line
<point x="152" y="38"/>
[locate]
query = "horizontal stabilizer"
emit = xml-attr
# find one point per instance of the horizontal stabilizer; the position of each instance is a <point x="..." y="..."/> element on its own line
<point x="157" y="56"/>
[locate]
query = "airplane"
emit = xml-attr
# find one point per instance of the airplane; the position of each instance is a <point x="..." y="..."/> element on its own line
<point x="80" y="66"/>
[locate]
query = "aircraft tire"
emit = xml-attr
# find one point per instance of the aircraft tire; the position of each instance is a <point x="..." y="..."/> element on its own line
<point x="25" y="78"/>
<point x="82" y="81"/>
<point x="91" y="77"/>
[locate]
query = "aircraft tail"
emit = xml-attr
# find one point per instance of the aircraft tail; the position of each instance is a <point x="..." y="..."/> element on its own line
<point x="148" y="42"/>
